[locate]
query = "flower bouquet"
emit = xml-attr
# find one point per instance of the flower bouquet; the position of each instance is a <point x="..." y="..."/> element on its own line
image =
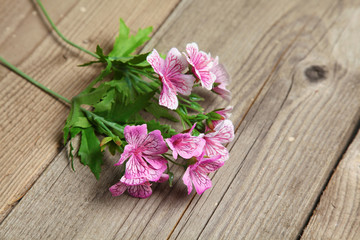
<point x="109" y="114"/>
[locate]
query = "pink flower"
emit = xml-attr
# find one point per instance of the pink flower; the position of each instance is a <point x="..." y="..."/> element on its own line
<point x="143" y="154"/>
<point x="185" y="145"/>
<point x="222" y="80"/>
<point x="139" y="188"/>
<point x="140" y="191"/>
<point x="222" y="134"/>
<point x="201" y="64"/>
<point x="196" y="174"/>
<point x="170" y="73"/>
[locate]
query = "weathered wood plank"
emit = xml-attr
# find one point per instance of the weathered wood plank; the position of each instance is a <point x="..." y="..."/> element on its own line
<point x="287" y="140"/>
<point x="291" y="138"/>
<point x="337" y="215"/>
<point x="30" y="120"/>
<point x="166" y="207"/>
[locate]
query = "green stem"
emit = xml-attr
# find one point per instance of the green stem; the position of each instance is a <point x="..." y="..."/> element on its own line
<point x="183" y="119"/>
<point x="60" y="34"/>
<point x="179" y="164"/>
<point x="39" y="85"/>
<point x="183" y="99"/>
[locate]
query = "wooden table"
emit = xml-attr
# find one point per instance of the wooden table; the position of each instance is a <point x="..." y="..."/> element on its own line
<point x="294" y="167"/>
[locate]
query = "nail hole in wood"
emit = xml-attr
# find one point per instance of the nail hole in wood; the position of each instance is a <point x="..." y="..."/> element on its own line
<point x="316" y="73"/>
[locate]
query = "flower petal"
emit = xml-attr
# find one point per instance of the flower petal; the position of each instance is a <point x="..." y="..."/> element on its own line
<point x="190" y="147"/>
<point x="223" y="132"/>
<point x="175" y="63"/>
<point x="117" y="189"/>
<point x="168" y="97"/>
<point x="169" y="141"/>
<point x="154" y="143"/>
<point x="187" y="180"/>
<point x="211" y="164"/>
<point x="135" y="135"/>
<point x="156" y="62"/>
<point x="134" y="181"/>
<point x="214" y="148"/>
<point x="155" y="174"/>
<point x="125" y="155"/>
<point x="136" y="167"/>
<point x="200" y="180"/>
<point x="157" y="162"/>
<point x="221" y="74"/>
<point x="201" y="64"/>
<point x="164" y="177"/>
<point x="223" y="92"/>
<point x="185" y="145"/>
<point x="206" y="78"/>
<point x="140" y="191"/>
<point x="183" y="83"/>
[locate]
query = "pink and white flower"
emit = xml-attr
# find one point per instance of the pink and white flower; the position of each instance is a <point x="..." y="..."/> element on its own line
<point x="223" y="133"/>
<point x="139" y="188"/>
<point x="139" y="191"/>
<point x="196" y="174"/>
<point x="170" y="73"/>
<point x="201" y="65"/>
<point x="222" y="80"/>
<point x="185" y="145"/>
<point x="142" y="154"/>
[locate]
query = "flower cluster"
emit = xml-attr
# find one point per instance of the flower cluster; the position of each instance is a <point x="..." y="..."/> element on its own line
<point x="108" y="114"/>
<point x="200" y="148"/>
<point x="205" y="69"/>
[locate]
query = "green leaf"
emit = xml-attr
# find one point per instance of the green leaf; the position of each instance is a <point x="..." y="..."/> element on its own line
<point x="194" y="97"/>
<point x="196" y="106"/>
<point x="75" y="113"/>
<point x="124" y="44"/>
<point x="214" y="116"/>
<point x="171" y="178"/>
<point x="200" y="127"/>
<point x="122" y="113"/>
<point x="160" y="112"/>
<point x="106" y="102"/>
<point x="99" y="78"/>
<point x="90" y="152"/>
<point x="166" y="130"/>
<point x="133" y="59"/>
<point x="100" y="52"/>
<point x="197" y="118"/>
<point x="81" y="122"/>
<point x="88" y="63"/>
<point x="113" y="148"/>
<point x="104" y="126"/>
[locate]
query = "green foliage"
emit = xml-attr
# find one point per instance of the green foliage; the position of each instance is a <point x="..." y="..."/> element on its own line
<point x="171" y="178"/>
<point x="166" y="130"/>
<point x="90" y="152"/>
<point x="125" y="44"/>
<point x="160" y="112"/>
<point x="115" y="99"/>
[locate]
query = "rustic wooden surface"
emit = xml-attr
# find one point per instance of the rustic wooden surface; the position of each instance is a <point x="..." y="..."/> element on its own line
<point x="30" y="120"/>
<point x="338" y="214"/>
<point x="296" y="91"/>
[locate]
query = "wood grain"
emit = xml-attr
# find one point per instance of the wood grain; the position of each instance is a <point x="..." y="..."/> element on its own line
<point x="167" y="206"/>
<point x="337" y="216"/>
<point x="296" y="101"/>
<point x="291" y="138"/>
<point x="30" y="120"/>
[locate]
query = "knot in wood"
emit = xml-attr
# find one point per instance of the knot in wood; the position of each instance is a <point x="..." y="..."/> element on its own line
<point x="316" y="73"/>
